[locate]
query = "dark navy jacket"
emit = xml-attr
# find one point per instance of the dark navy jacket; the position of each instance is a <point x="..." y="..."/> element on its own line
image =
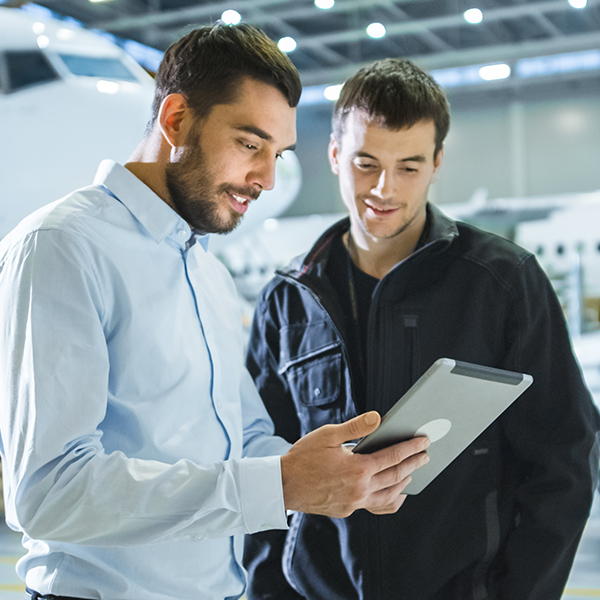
<point x="504" y="520"/>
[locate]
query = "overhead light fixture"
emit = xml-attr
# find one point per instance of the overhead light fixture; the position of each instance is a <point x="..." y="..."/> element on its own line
<point x="287" y="44"/>
<point x="376" y="30"/>
<point x="271" y="224"/>
<point x="64" y="34"/>
<point x="231" y="17"/>
<point x="43" y="41"/>
<point x="95" y="1"/>
<point x="38" y="28"/>
<point x="493" y="72"/>
<point x="107" y="87"/>
<point x="324" y="4"/>
<point x="473" y="16"/>
<point x="332" y="92"/>
<point x="578" y="3"/>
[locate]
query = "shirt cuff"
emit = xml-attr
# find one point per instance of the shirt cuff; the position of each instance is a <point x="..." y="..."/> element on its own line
<point x="261" y="491"/>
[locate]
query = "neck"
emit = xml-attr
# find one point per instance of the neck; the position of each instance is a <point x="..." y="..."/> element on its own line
<point x="148" y="162"/>
<point x="376" y="256"/>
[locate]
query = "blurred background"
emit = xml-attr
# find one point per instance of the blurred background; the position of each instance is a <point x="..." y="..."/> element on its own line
<point x="522" y="158"/>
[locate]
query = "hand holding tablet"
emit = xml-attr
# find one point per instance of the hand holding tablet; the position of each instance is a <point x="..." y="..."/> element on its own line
<point x="452" y="404"/>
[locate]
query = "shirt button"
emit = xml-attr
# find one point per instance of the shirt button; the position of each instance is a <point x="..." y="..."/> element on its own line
<point x="317" y="392"/>
<point x="182" y="233"/>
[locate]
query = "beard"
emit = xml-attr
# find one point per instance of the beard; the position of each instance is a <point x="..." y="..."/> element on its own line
<point x="194" y="194"/>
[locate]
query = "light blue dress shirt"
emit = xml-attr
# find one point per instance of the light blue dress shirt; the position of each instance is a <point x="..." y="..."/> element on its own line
<point x="134" y="443"/>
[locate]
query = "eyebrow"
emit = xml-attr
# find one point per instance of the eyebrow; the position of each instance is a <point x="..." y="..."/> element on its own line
<point x="420" y="158"/>
<point x="262" y="134"/>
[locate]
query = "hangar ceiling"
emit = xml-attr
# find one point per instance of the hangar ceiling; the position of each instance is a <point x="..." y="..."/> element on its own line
<point x="332" y="44"/>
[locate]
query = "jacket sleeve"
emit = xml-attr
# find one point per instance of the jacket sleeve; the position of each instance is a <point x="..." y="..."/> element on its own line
<point x="553" y="430"/>
<point x="263" y="551"/>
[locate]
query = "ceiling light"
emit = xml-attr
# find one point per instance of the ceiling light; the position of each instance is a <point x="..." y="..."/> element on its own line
<point x="473" y="15"/>
<point x="231" y="17"/>
<point x="271" y="224"/>
<point x="287" y="44"/>
<point x="376" y="30"/>
<point x="324" y="4"/>
<point x="94" y="1"/>
<point x="38" y="28"/>
<point x="578" y="3"/>
<point x="43" y="41"/>
<point x="332" y="92"/>
<point x="493" y="72"/>
<point x="64" y="34"/>
<point x="108" y="87"/>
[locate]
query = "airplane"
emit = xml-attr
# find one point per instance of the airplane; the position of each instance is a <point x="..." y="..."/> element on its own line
<point x="69" y="98"/>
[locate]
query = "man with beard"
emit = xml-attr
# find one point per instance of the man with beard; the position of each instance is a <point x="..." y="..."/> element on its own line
<point x="134" y="444"/>
<point x="379" y="298"/>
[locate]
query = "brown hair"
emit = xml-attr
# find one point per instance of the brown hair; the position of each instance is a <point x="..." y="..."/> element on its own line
<point x="206" y="65"/>
<point x="398" y="93"/>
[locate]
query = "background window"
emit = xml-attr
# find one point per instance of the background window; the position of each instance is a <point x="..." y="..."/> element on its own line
<point x="26" y="68"/>
<point x="91" y="66"/>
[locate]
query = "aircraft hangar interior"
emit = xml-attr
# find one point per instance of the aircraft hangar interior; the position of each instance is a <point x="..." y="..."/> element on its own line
<point x="522" y="157"/>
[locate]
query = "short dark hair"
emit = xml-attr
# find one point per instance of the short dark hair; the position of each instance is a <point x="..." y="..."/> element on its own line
<point x="398" y="93"/>
<point x="206" y="65"/>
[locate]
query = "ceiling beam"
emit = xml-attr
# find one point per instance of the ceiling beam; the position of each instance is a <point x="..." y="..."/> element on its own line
<point x="244" y="7"/>
<point x="473" y="56"/>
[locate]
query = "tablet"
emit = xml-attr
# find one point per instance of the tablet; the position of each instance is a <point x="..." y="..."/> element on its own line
<point x="452" y="403"/>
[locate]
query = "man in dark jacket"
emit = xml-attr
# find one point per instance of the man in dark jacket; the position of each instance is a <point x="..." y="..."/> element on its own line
<point x="351" y="326"/>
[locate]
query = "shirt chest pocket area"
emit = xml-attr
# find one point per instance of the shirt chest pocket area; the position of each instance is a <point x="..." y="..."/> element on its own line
<point x="311" y="362"/>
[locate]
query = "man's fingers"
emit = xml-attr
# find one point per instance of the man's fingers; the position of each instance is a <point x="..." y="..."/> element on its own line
<point x="353" y="429"/>
<point x="398" y="474"/>
<point x="398" y="453"/>
<point x="387" y="502"/>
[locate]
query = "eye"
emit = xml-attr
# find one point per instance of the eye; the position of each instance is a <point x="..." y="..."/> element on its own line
<point x="248" y="145"/>
<point x="361" y="164"/>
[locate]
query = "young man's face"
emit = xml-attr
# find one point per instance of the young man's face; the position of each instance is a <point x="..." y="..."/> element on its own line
<point x="229" y="157"/>
<point x="384" y="174"/>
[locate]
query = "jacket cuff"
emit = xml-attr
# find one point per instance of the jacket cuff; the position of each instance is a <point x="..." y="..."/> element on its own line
<point x="261" y="493"/>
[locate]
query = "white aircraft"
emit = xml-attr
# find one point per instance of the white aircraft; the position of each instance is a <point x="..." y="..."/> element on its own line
<point x="69" y="98"/>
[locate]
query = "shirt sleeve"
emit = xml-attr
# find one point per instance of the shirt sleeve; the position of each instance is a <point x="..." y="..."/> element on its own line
<point x="61" y="485"/>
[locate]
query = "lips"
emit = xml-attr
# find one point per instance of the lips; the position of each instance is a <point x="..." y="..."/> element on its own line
<point x="240" y="203"/>
<point x="380" y="210"/>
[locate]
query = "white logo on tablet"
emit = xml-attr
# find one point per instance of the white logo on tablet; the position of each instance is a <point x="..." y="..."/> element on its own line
<point x="435" y="430"/>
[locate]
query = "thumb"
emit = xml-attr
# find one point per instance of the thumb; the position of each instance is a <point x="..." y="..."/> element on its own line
<point x="355" y="428"/>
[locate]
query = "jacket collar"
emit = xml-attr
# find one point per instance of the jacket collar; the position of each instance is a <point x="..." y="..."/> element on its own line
<point x="442" y="230"/>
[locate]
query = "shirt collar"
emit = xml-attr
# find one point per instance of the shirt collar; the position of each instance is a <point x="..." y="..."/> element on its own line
<point x="157" y="217"/>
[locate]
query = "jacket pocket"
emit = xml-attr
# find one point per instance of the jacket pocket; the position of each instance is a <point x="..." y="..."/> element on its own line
<point x="311" y="361"/>
<point x="316" y="381"/>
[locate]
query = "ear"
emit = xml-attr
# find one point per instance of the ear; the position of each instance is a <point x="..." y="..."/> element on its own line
<point x="334" y="153"/>
<point x="172" y="119"/>
<point x="437" y="163"/>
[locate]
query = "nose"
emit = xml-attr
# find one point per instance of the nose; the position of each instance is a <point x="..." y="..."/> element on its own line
<point x="384" y="185"/>
<point x="263" y="174"/>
